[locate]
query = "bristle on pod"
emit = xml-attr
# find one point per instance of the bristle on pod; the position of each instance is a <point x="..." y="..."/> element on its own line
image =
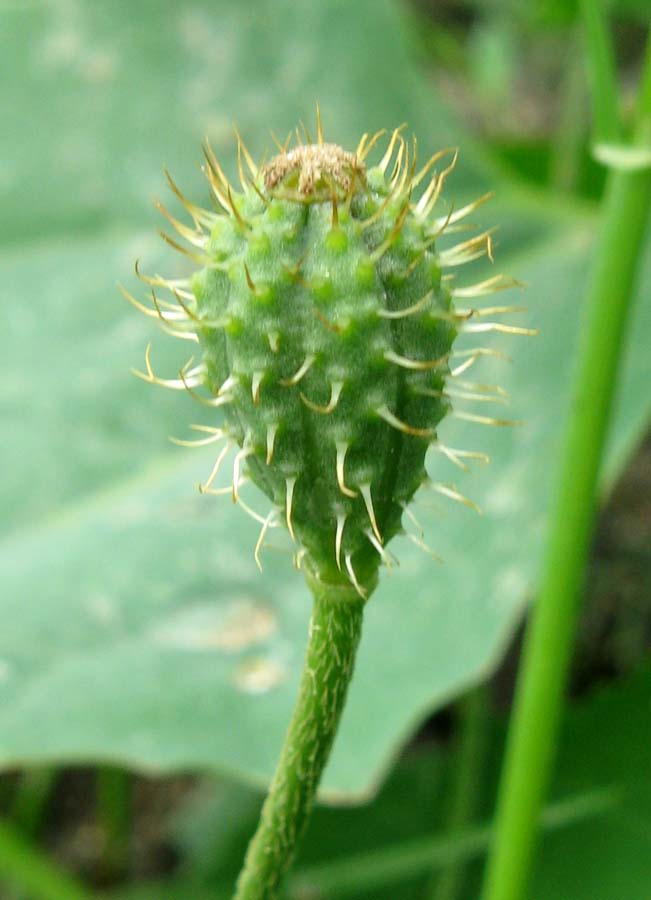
<point x="326" y="327"/>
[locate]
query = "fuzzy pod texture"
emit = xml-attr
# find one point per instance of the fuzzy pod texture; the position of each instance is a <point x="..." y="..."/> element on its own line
<point x="326" y="331"/>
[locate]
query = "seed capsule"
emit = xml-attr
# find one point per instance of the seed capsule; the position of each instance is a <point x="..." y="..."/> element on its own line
<point x="326" y="332"/>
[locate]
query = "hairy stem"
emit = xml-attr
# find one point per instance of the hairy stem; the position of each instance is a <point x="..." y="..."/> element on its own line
<point x="550" y="634"/>
<point x="335" y="630"/>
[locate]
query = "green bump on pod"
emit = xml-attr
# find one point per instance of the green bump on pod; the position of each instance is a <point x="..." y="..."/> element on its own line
<point x="326" y="332"/>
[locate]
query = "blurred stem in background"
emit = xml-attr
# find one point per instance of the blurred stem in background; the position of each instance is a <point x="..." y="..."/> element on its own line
<point x="601" y="72"/>
<point x="469" y="755"/>
<point x="114" y="817"/>
<point x="551" y="631"/>
<point x="31" y="799"/>
<point x="567" y="142"/>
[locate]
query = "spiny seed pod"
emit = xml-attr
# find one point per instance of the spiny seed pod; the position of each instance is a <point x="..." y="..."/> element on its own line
<point x="326" y="329"/>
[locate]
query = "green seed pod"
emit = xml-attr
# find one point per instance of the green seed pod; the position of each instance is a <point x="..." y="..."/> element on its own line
<point x="326" y="330"/>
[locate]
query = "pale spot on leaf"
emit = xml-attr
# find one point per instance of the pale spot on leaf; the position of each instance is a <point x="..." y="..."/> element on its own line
<point x="5" y="670"/>
<point x="210" y="626"/>
<point x="258" y="675"/>
<point x="101" y="608"/>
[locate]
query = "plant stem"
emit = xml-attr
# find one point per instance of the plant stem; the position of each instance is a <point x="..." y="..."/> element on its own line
<point x="601" y="71"/>
<point x="566" y="148"/>
<point x="470" y="754"/>
<point x="28" y="870"/>
<point x="30" y="802"/>
<point x="550" y="635"/>
<point x="114" y="815"/>
<point x="335" y="630"/>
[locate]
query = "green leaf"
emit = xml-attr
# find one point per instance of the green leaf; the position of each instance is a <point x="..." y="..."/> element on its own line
<point x="136" y="627"/>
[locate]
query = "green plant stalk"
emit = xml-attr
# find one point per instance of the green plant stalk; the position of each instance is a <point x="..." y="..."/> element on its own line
<point x="335" y="630"/>
<point x="601" y="71"/>
<point x="467" y="778"/>
<point x="567" y="142"/>
<point x="550" y="635"/>
<point x="114" y="815"/>
<point x="22" y="866"/>
<point x="30" y="802"/>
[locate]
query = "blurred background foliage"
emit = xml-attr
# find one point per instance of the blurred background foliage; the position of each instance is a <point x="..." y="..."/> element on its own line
<point x="137" y="635"/>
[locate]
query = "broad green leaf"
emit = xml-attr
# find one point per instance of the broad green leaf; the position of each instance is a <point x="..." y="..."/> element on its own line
<point x="136" y="627"/>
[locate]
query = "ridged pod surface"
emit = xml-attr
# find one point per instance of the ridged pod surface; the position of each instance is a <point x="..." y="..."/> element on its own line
<point x="333" y="398"/>
<point x="326" y="330"/>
